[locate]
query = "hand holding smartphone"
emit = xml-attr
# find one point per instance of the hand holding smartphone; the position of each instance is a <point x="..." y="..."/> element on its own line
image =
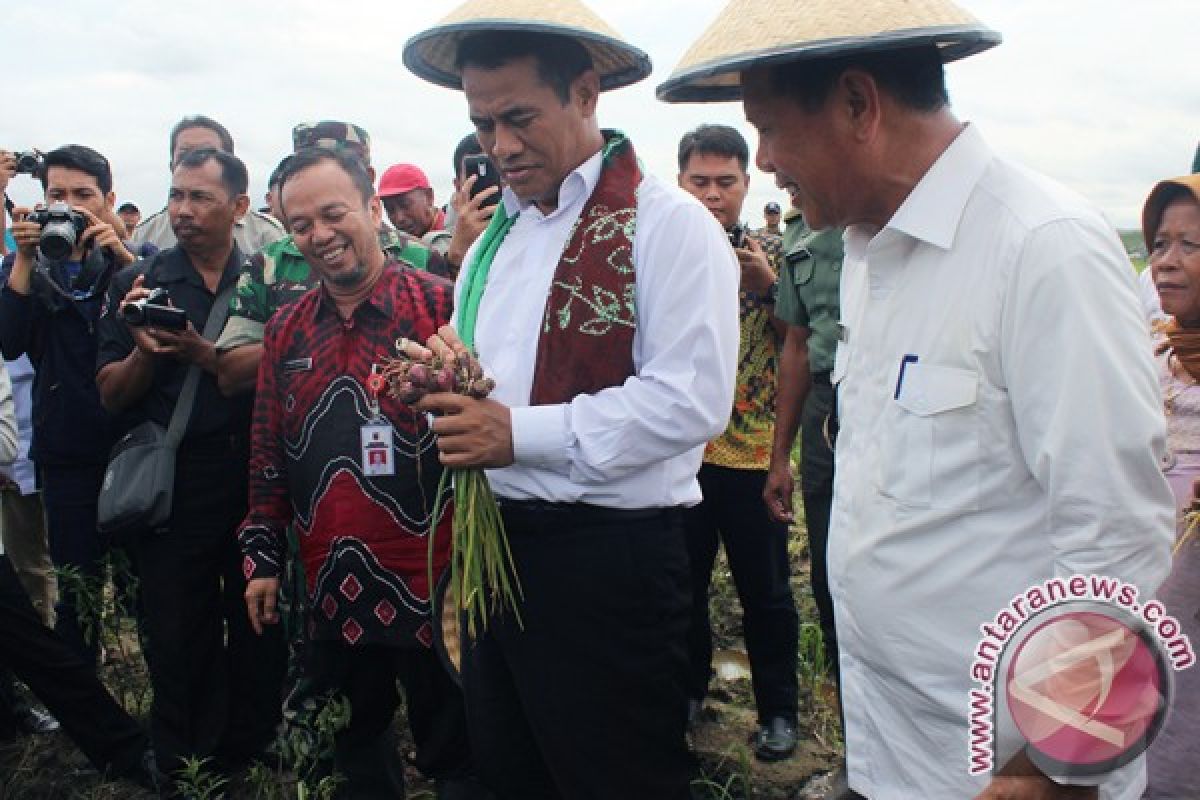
<point x="485" y="175"/>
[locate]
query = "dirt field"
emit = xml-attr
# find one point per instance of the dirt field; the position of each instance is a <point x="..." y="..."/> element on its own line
<point x="50" y="768"/>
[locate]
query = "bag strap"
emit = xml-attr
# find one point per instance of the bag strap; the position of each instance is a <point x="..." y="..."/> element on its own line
<point x="187" y="396"/>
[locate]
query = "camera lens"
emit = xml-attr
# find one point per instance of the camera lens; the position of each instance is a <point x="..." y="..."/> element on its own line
<point x="57" y="239"/>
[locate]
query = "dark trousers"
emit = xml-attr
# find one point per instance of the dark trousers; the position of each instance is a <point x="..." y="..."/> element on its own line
<point x="733" y="513"/>
<point x="217" y="686"/>
<point x="365" y="752"/>
<point x="70" y="494"/>
<point x="816" y="486"/>
<point x="65" y="682"/>
<point x="588" y="700"/>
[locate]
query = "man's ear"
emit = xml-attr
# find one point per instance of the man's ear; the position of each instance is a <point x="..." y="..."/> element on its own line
<point x="859" y="100"/>
<point x="585" y="90"/>
<point x="110" y="200"/>
<point x="241" y="205"/>
<point x="375" y="207"/>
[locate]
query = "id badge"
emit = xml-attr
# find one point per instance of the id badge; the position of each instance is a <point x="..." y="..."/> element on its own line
<point x="378" y="457"/>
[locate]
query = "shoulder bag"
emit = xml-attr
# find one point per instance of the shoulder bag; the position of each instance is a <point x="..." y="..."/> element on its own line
<point x="139" y="483"/>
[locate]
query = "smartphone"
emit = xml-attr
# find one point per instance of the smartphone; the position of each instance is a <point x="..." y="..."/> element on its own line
<point x="485" y="175"/>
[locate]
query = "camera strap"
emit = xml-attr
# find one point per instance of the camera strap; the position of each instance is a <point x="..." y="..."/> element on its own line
<point x="95" y="271"/>
<point x="187" y="395"/>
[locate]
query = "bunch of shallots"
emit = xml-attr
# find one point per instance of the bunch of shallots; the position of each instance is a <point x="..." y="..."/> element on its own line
<point x="483" y="577"/>
<point x="409" y="380"/>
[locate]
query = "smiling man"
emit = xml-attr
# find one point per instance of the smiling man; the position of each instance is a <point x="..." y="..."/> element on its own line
<point x="363" y="526"/>
<point x="1000" y="415"/>
<point x="582" y="300"/>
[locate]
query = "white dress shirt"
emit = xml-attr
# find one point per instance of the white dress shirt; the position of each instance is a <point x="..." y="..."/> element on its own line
<point x="1022" y="444"/>
<point x="8" y="425"/>
<point x="1148" y="294"/>
<point x="637" y="445"/>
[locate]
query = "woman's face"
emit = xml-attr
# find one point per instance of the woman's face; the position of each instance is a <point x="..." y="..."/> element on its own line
<point x="1175" y="261"/>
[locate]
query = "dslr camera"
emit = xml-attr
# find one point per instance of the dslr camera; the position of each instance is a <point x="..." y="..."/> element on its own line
<point x="737" y="236"/>
<point x="154" y="311"/>
<point x="61" y="228"/>
<point x="30" y="163"/>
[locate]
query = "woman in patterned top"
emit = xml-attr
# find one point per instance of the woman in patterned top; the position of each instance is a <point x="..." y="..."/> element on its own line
<point x="1171" y="225"/>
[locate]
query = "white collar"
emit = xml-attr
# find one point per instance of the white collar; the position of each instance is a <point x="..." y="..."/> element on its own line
<point x="575" y="188"/>
<point x="934" y="207"/>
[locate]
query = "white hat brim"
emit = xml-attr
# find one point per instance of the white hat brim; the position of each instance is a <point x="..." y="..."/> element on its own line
<point x="432" y="54"/>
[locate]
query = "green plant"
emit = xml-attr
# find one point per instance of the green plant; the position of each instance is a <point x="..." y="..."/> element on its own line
<point x="195" y="781"/>
<point x="728" y="779"/>
<point x="306" y="746"/>
<point x="811" y="659"/>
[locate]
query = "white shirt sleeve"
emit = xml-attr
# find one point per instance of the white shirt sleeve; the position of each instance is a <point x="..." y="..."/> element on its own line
<point x="685" y="354"/>
<point x="1085" y="397"/>
<point x="8" y="419"/>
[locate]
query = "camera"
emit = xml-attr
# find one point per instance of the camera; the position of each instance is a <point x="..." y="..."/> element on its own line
<point x="61" y="228"/>
<point x="153" y="310"/>
<point x="737" y="236"/>
<point x="29" y="163"/>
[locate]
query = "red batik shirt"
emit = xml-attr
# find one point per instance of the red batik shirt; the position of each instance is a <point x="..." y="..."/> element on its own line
<point x="363" y="539"/>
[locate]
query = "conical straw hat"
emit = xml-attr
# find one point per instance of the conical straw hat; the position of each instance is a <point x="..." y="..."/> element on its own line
<point x="752" y="33"/>
<point x="431" y="54"/>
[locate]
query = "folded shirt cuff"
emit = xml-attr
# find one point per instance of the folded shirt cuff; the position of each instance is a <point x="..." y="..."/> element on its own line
<point x="540" y="436"/>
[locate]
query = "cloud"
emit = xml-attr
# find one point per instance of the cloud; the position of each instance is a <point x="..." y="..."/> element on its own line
<point x="1080" y="89"/>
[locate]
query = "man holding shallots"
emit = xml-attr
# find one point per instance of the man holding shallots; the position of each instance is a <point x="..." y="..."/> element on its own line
<point x="603" y="303"/>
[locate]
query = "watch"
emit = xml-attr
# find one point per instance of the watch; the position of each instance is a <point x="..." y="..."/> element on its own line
<point x="771" y="295"/>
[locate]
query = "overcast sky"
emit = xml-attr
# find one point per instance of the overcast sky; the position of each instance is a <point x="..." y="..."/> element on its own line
<point x="1101" y="95"/>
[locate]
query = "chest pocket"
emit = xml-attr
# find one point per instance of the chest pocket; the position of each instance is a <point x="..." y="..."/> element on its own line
<point x="931" y="442"/>
<point x="803" y="266"/>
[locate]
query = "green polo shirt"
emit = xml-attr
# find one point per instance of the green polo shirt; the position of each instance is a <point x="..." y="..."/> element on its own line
<point x="808" y="287"/>
<point x="278" y="275"/>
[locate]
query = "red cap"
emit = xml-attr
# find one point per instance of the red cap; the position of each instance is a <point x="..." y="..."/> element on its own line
<point x="401" y="178"/>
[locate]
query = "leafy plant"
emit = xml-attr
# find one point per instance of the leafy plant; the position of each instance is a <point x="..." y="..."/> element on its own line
<point x="195" y="781"/>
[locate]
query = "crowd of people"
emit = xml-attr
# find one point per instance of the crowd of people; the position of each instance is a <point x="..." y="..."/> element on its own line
<point x="956" y="341"/>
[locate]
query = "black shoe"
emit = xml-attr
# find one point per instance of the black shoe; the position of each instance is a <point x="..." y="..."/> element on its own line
<point x="36" y="721"/>
<point x="775" y="741"/>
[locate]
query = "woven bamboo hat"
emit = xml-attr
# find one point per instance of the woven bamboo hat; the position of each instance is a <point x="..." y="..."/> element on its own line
<point x="754" y="33"/>
<point x="431" y="54"/>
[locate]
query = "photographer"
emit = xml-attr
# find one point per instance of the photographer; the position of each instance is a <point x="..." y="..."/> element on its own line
<point x="49" y="309"/>
<point x="216" y="685"/>
<point x="713" y="162"/>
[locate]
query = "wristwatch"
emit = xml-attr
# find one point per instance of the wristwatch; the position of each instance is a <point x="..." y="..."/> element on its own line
<point x="771" y="295"/>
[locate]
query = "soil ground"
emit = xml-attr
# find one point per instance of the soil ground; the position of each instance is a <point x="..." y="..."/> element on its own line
<point x="50" y="768"/>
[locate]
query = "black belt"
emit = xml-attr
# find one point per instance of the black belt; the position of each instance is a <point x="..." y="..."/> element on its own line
<point x="544" y="512"/>
<point x="821" y="378"/>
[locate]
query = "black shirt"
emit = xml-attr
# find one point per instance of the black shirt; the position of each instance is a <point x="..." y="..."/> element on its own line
<point x="70" y="426"/>
<point x="213" y="414"/>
